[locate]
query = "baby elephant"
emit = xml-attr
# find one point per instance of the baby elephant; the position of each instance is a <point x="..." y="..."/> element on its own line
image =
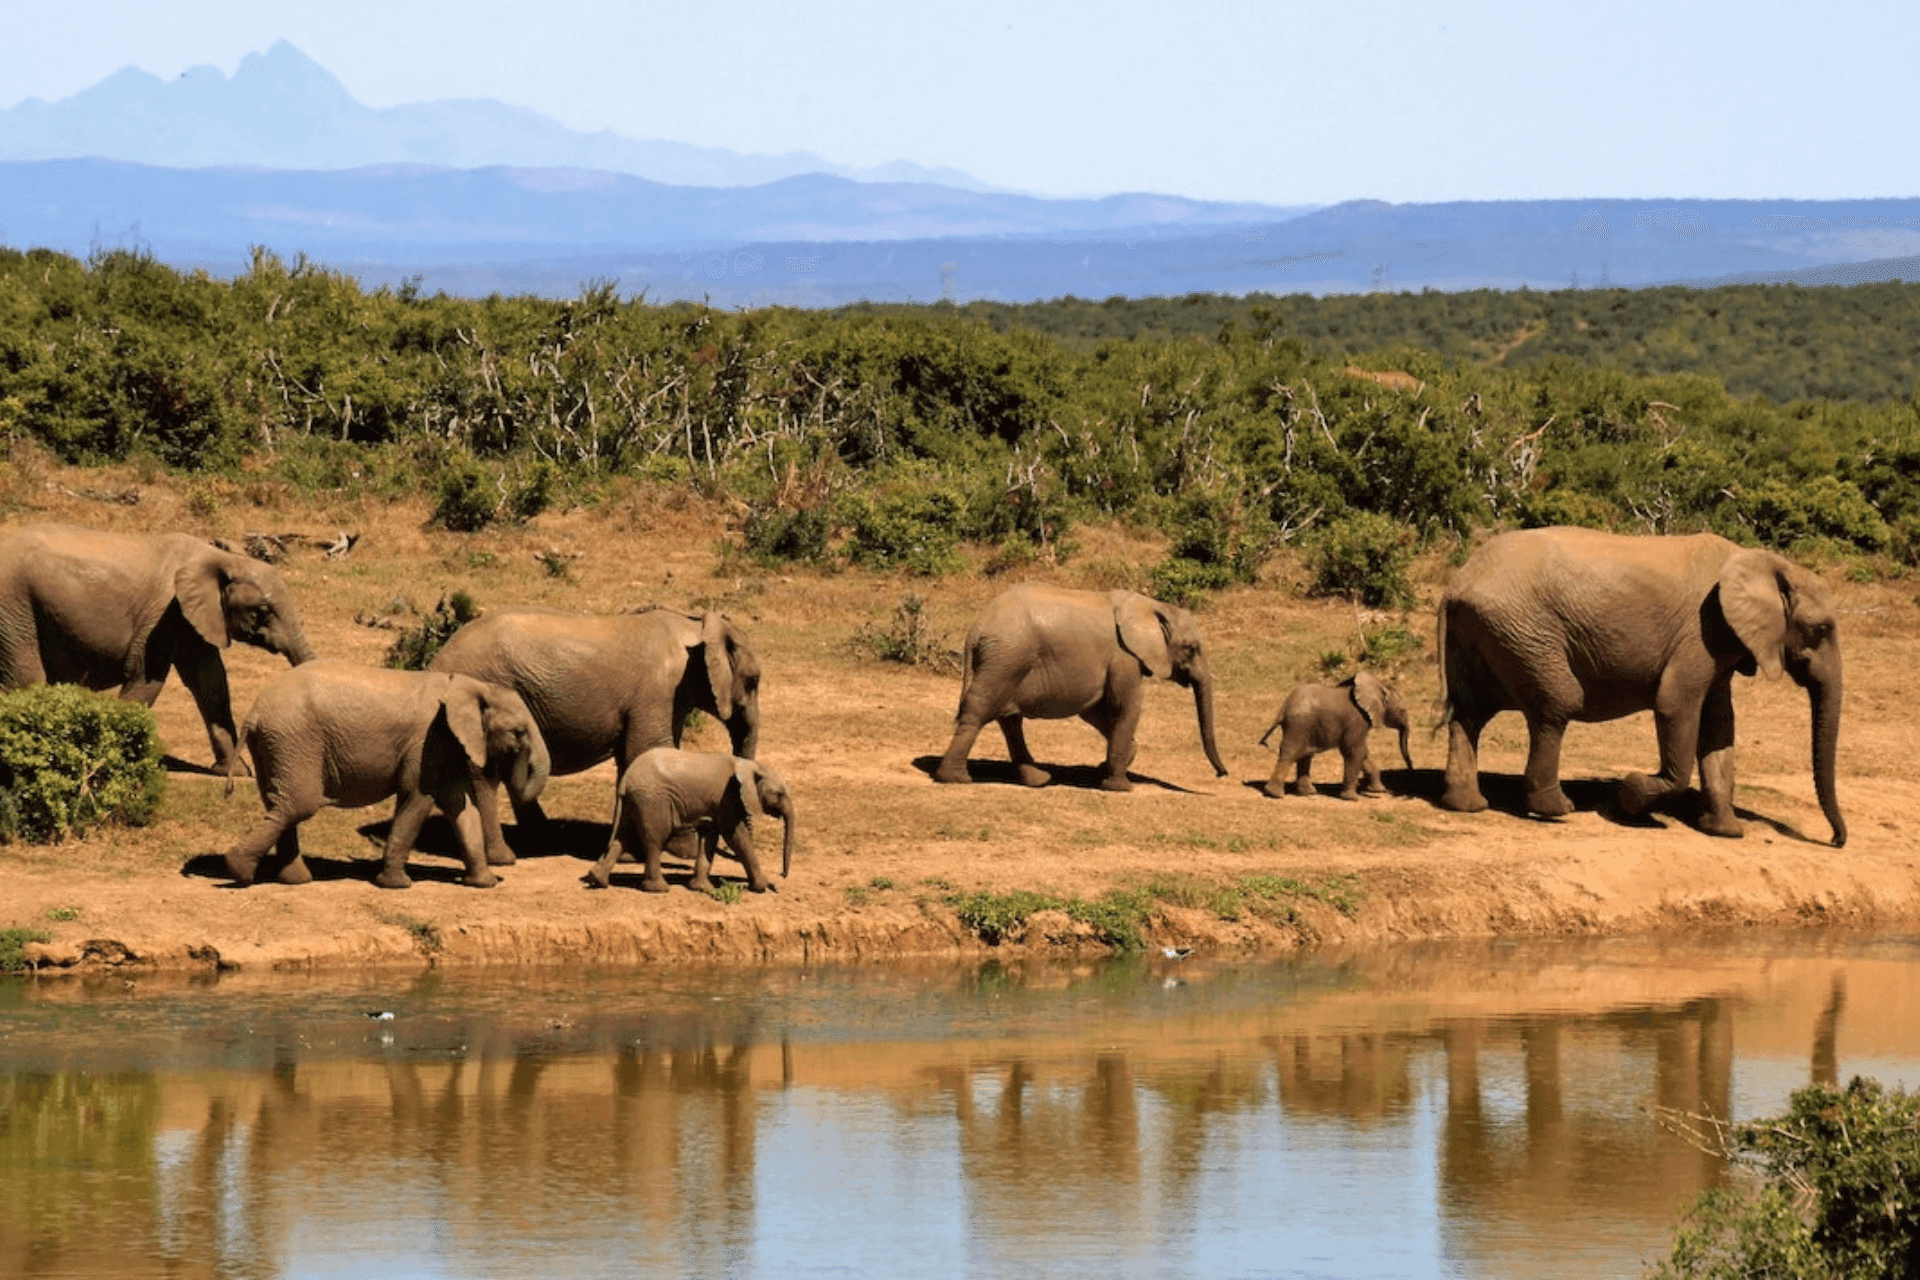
<point x="718" y="796"/>
<point x="333" y="733"/>
<point x="1316" y="717"/>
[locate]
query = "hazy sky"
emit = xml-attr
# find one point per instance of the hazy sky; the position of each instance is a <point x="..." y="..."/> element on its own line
<point x="1221" y="99"/>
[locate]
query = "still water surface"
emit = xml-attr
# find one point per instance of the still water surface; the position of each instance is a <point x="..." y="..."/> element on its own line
<point x="1465" y="1110"/>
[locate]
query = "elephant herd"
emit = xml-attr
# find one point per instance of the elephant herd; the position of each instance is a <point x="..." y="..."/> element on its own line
<point x="1558" y="624"/>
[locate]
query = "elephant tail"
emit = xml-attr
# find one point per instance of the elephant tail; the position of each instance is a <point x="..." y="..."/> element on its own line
<point x="1443" y="703"/>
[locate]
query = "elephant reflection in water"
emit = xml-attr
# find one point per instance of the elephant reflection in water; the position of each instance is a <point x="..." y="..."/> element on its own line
<point x="1567" y="1155"/>
<point x="1360" y="1077"/>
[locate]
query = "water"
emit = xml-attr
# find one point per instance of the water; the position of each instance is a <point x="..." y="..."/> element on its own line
<point x="1476" y="1110"/>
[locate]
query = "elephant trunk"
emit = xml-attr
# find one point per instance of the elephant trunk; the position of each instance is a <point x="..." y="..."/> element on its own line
<point x="1203" y="708"/>
<point x="744" y="731"/>
<point x="1823" y="693"/>
<point x="786" y="839"/>
<point x="297" y="650"/>
<point x="528" y="776"/>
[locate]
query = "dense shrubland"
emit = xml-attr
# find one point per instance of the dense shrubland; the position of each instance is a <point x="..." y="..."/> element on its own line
<point x="887" y="437"/>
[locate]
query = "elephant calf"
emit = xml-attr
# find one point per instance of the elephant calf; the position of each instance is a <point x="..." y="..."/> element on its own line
<point x="718" y="796"/>
<point x="333" y="733"/>
<point x="1319" y="717"/>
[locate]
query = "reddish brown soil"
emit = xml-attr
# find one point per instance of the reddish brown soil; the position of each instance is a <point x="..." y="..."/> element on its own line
<point x="883" y="850"/>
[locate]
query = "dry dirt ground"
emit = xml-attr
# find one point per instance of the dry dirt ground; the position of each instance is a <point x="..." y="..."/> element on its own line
<point x="883" y="852"/>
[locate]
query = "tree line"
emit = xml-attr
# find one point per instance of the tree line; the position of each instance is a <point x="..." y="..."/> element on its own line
<point x="886" y="435"/>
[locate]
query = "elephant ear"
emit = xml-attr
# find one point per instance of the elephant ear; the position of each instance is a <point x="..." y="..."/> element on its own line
<point x="1753" y="598"/>
<point x="1142" y="625"/>
<point x="714" y="631"/>
<point x="1370" y="696"/>
<point x="465" y="706"/>
<point x="746" y="777"/>
<point x="201" y="589"/>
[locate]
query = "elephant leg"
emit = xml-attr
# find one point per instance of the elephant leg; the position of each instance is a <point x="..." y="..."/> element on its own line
<point x="486" y="805"/>
<point x="205" y="676"/>
<point x="740" y="839"/>
<point x="408" y="815"/>
<point x="1276" y="785"/>
<point x="1462" y="793"/>
<point x="1118" y="725"/>
<point x="1013" y="729"/>
<point x="473" y="850"/>
<point x="1374" y="785"/>
<point x="286" y="866"/>
<point x="953" y="765"/>
<point x="1676" y="726"/>
<point x="1356" y="763"/>
<point x="276" y="829"/>
<point x="1544" y="795"/>
<point x="706" y="843"/>
<point x="1716" y="763"/>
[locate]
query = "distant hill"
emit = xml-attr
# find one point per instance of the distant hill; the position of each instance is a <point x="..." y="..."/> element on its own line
<point x="282" y="110"/>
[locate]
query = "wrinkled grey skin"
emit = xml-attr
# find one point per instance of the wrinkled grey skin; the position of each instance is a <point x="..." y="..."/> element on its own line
<point x="333" y="733"/>
<point x="608" y="685"/>
<point x="1049" y="653"/>
<point x="1321" y="717"/>
<point x="668" y="792"/>
<point x="119" y="610"/>
<point x="1570" y="624"/>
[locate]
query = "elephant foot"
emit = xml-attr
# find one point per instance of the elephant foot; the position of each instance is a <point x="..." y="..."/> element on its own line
<point x="1349" y="795"/>
<point x="700" y="884"/>
<point x="1032" y="775"/>
<point x="242" y="872"/>
<point x="485" y="880"/>
<point x="1463" y="801"/>
<point x="765" y="886"/>
<point x="653" y="884"/>
<point x="1549" y="802"/>
<point x="393" y="880"/>
<point x="1374" y="791"/>
<point x="1303" y="787"/>
<point x="1116" y="782"/>
<point x="501" y="857"/>
<point x="1723" y="825"/>
<point x="952" y="773"/>
<point x="597" y="876"/>
<point x="1276" y="790"/>
<point x="1639" y="793"/>
<point x="295" y="872"/>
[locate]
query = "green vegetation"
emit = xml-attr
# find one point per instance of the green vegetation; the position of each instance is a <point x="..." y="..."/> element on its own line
<point x="71" y="759"/>
<point x="1834" y="1197"/>
<point x="13" y="942"/>
<point x="726" y="892"/>
<point x="415" y="646"/>
<point x="1119" y="917"/>
<point x="1356" y="429"/>
<point x="907" y="638"/>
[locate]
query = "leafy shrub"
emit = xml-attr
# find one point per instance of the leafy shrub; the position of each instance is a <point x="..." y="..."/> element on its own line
<point x="71" y="759"/>
<point x="1364" y="557"/>
<point x="472" y="496"/>
<point x="1783" y="514"/>
<point x="414" y="647"/>
<point x="1218" y="540"/>
<point x="13" y="942"/>
<point x="911" y="520"/>
<point x="1840" y="1172"/>
<point x="774" y="537"/>
<point x="907" y="638"/>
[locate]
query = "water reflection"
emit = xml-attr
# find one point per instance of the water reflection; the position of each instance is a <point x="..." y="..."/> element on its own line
<point x="1427" y="1112"/>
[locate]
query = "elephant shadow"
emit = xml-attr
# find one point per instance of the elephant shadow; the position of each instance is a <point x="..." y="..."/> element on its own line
<point x="213" y="866"/>
<point x="1506" y="793"/>
<point x="1084" y="776"/>
<point x="174" y="764"/>
<point x="556" y="837"/>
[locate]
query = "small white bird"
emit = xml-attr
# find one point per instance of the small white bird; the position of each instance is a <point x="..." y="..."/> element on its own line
<point x="1176" y="953"/>
<point x="380" y="1015"/>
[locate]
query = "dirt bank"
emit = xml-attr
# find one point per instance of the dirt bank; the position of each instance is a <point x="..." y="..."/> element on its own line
<point x="886" y="856"/>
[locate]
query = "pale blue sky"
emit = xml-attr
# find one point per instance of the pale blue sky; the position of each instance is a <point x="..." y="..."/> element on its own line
<point x="1221" y="99"/>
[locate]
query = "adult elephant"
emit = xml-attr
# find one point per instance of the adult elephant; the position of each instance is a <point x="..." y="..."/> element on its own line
<point x="109" y="610"/>
<point x="1049" y="652"/>
<point x="1572" y="624"/>
<point x="603" y="686"/>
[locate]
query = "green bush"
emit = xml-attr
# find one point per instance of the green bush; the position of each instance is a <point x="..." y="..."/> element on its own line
<point x="414" y="647"/>
<point x="1783" y="515"/>
<point x="1840" y="1172"/>
<point x="911" y="519"/>
<point x="907" y="639"/>
<point x="1363" y="557"/>
<point x="774" y="537"/>
<point x="473" y="496"/>
<point x="13" y="944"/>
<point x="71" y="759"/>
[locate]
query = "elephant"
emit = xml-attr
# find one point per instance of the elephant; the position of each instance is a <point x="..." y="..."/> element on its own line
<point x="1318" y="717"/>
<point x="334" y="733"/>
<point x="608" y="685"/>
<point x="1051" y="652"/>
<point x="667" y="791"/>
<point x="1570" y="624"/>
<point x="108" y="610"/>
